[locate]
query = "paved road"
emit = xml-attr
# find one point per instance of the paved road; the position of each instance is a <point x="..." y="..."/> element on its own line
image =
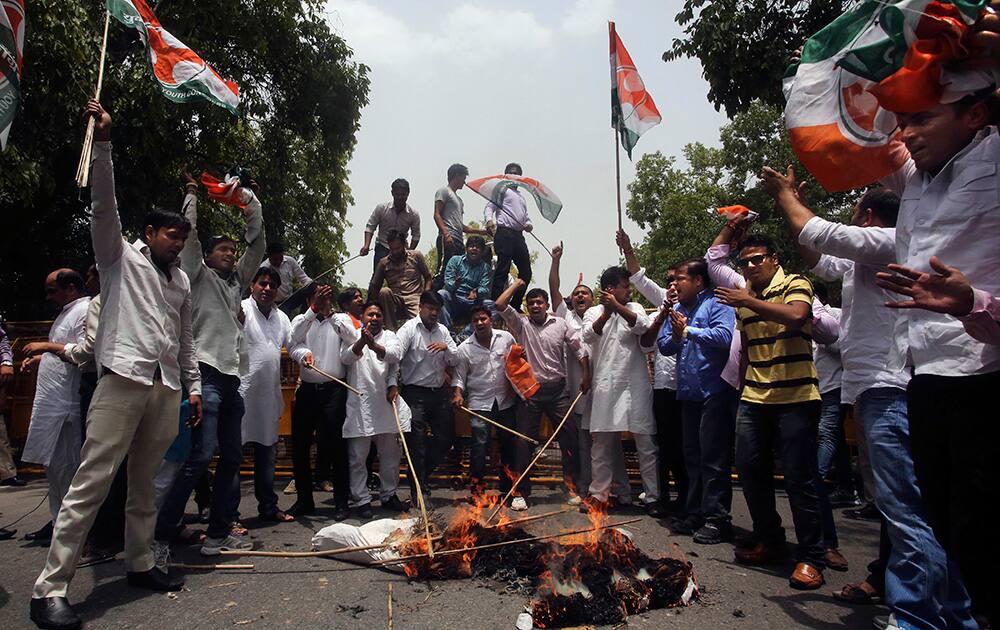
<point x="324" y="593"/>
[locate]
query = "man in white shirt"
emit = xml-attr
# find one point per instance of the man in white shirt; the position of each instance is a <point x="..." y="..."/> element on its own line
<point x="291" y="275"/>
<point x="508" y="223"/>
<point x="428" y="351"/>
<point x="55" y="434"/>
<point x="480" y="383"/>
<point x="267" y="330"/>
<point x="372" y="367"/>
<point x="320" y="404"/>
<point x="146" y="350"/>
<point x="218" y="281"/>
<point x="622" y="398"/>
<point x="392" y="215"/>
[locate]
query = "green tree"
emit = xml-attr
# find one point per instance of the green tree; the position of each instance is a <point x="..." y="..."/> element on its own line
<point x="676" y="206"/>
<point x="301" y="94"/>
<point x="744" y="46"/>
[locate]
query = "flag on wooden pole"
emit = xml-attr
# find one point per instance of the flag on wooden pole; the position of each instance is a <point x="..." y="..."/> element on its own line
<point x="11" y="48"/>
<point x="633" y="111"/>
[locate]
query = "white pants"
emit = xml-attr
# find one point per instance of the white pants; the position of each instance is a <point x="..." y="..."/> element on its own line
<point x="63" y="464"/>
<point x="607" y="457"/>
<point x="619" y="478"/>
<point x="389" y="452"/>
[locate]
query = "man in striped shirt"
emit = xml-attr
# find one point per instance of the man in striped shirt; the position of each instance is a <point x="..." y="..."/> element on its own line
<point x="779" y="407"/>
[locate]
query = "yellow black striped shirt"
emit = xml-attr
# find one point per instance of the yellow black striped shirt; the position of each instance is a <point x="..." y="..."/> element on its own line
<point x="780" y="366"/>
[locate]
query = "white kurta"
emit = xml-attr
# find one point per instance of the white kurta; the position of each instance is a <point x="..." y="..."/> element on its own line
<point x="621" y="394"/>
<point x="57" y="392"/>
<point x="371" y="414"/>
<point x="261" y="385"/>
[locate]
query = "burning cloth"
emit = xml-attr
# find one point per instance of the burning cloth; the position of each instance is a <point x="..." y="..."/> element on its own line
<point x="382" y="531"/>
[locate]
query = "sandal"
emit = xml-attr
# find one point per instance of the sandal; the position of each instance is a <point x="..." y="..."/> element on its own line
<point x="858" y="594"/>
<point x="277" y="517"/>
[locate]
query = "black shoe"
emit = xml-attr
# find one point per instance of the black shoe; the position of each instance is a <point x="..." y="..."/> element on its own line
<point x="374" y="481"/>
<point x="844" y="499"/>
<point x="395" y="504"/>
<point x="686" y="526"/>
<point x="301" y="509"/>
<point x="867" y="512"/>
<point x="14" y="482"/>
<point x="365" y="512"/>
<point x="656" y="509"/>
<point x="7" y="534"/>
<point x="342" y="513"/>
<point x="43" y="535"/>
<point x="155" y="580"/>
<point x="54" y="613"/>
<point x="713" y="533"/>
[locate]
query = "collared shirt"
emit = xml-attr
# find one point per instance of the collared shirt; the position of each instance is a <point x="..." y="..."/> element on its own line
<point x="954" y="215"/>
<point x="323" y="338"/>
<point x="216" y="296"/>
<point x="291" y="273"/>
<point x="419" y="366"/>
<point x="780" y="366"/>
<point x="146" y="314"/>
<point x="664" y="367"/>
<point x="385" y="217"/>
<point x="983" y="322"/>
<point x="82" y="354"/>
<point x="461" y="277"/>
<point x="574" y="371"/>
<point x="481" y="372"/>
<point x="704" y="350"/>
<point x="406" y="279"/>
<point x="6" y="354"/>
<point x="453" y="211"/>
<point x="260" y="387"/>
<point x="829" y="367"/>
<point x="372" y="414"/>
<point x="513" y="213"/>
<point x="544" y="345"/>
<point x="854" y="255"/>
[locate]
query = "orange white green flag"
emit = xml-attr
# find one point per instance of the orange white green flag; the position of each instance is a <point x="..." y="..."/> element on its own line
<point x="11" y="47"/>
<point x="633" y="111"/>
<point x="494" y="186"/>
<point x="182" y="74"/>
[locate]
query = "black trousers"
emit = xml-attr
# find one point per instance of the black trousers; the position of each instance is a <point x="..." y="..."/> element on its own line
<point x="320" y="409"/>
<point x="955" y="437"/>
<point x="432" y="431"/>
<point x="670" y="439"/>
<point x="444" y="255"/>
<point x="709" y="433"/>
<point x="510" y="247"/>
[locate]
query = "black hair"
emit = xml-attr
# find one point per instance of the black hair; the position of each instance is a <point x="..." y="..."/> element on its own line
<point x="457" y="169"/>
<point x="883" y="203"/>
<point x="988" y="96"/>
<point x="275" y="247"/>
<point x="475" y="239"/>
<point x="513" y="169"/>
<point x="821" y="291"/>
<point x="613" y="275"/>
<point x="371" y="303"/>
<point x="400" y="182"/>
<point x="479" y="307"/>
<point x="270" y="272"/>
<point x="394" y="235"/>
<point x="347" y="296"/>
<point x="537" y="292"/>
<point x="431" y="298"/>
<point x="69" y="278"/>
<point x="311" y="289"/>
<point x="164" y="219"/>
<point x="759" y="240"/>
<point x="696" y="267"/>
<point x="215" y="241"/>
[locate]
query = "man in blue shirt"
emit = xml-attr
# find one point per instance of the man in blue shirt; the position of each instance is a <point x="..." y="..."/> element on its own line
<point x="466" y="282"/>
<point x="699" y="331"/>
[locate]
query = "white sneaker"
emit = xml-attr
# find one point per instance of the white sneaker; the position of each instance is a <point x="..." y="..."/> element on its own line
<point x="574" y="499"/>
<point x="232" y="542"/>
<point x="519" y="504"/>
<point x="290" y="488"/>
<point x="642" y="497"/>
<point x="161" y="555"/>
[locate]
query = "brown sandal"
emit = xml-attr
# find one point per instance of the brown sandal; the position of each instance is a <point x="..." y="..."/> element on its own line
<point x="277" y="517"/>
<point x="857" y="594"/>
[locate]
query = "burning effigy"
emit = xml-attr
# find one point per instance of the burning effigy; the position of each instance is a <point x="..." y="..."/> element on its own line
<point x="594" y="575"/>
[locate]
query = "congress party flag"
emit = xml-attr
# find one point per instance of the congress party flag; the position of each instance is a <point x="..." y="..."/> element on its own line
<point x="633" y="111"/>
<point x="11" y="49"/>
<point x="493" y="187"/>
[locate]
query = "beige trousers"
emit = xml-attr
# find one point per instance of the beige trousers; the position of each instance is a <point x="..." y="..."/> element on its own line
<point x="7" y="467"/>
<point x="395" y="311"/>
<point x="126" y="418"/>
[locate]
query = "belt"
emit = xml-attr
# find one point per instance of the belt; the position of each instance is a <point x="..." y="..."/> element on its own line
<point x="319" y="386"/>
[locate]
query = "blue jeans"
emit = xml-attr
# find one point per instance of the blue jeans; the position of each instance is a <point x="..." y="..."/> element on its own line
<point x="832" y="448"/>
<point x="456" y="306"/>
<point x="263" y="482"/>
<point x="221" y="427"/>
<point x="922" y="585"/>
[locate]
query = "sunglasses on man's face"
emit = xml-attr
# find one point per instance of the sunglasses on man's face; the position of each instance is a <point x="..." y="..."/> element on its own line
<point x="752" y="261"/>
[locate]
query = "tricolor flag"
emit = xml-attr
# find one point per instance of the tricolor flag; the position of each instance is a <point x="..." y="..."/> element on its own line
<point x="493" y="187"/>
<point x="878" y="55"/>
<point x="11" y="47"/>
<point x="633" y="111"/>
<point x="182" y="74"/>
<point x="226" y="190"/>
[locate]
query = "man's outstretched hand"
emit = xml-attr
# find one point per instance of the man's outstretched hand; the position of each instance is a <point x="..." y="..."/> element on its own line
<point x="102" y="120"/>
<point x="946" y="291"/>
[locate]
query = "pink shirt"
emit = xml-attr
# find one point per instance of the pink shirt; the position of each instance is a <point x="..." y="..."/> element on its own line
<point x="983" y="322"/>
<point x="544" y="345"/>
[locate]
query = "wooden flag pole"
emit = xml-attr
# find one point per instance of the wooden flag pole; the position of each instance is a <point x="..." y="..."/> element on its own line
<point x="83" y="168"/>
<point x="618" y="177"/>
<point x="416" y="482"/>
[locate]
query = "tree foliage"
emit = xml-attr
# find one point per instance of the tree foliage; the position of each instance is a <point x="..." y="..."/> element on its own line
<point x="676" y="206"/>
<point x="301" y="94"/>
<point x="744" y="46"/>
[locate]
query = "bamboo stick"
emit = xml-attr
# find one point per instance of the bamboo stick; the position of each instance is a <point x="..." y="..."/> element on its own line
<point x="334" y="379"/>
<point x="416" y="481"/>
<point x="314" y="554"/>
<point x="390" y="605"/>
<point x="210" y="567"/>
<point x="304" y="287"/>
<point x="83" y="168"/>
<point x="528" y="519"/>
<point x="537" y="457"/>
<point x="500" y="426"/>
<point x="448" y="552"/>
